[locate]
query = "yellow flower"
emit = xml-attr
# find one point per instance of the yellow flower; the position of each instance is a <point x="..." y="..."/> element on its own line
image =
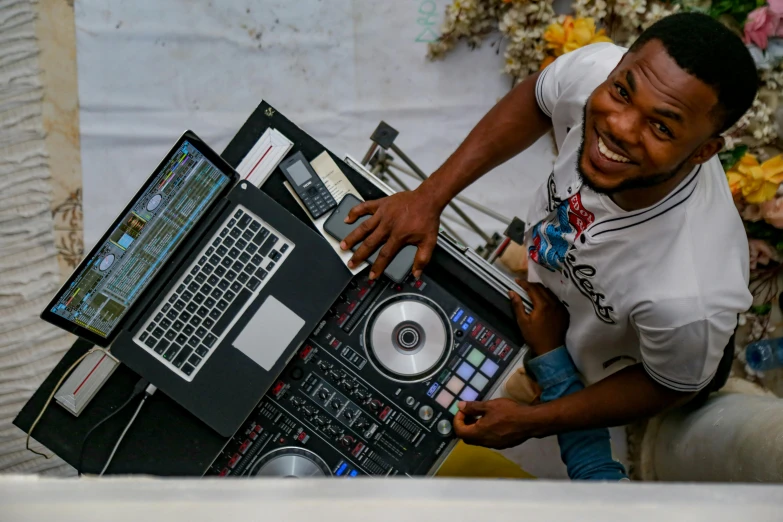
<point x="571" y="35"/>
<point x="756" y="182"/>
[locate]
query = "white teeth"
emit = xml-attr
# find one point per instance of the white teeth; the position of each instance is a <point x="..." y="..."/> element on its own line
<point x="604" y="150"/>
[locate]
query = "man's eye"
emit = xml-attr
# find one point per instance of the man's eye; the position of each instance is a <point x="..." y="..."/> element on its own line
<point x="621" y="91"/>
<point x="663" y="128"/>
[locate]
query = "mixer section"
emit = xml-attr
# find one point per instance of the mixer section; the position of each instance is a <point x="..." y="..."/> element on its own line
<point x="375" y="388"/>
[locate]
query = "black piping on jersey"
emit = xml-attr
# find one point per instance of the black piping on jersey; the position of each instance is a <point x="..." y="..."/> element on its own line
<point x="664" y="211"/>
<point x="540" y="93"/>
<point x="675" y="385"/>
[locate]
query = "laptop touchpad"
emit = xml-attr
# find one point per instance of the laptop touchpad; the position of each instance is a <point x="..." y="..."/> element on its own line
<point x="269" y="333"/>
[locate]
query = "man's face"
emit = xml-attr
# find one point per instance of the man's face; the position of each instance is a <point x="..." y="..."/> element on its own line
<point x="647" y="122"/>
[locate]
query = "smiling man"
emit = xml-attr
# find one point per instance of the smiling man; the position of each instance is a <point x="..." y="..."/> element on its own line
<point x="634" y="231"/>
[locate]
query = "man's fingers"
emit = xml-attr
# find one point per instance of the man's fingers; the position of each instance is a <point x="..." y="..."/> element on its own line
<point x="359" y="233"/>
<point x="518" y="305"/>
<point x="423" y="255"/>
<point x="473" y="408"/>
<point x="362" y="209"/>
<point x="385" y="256"/>
<point x="368" y="246"/>
<point x="534" y="291"/>
<point x="464" y="427"/>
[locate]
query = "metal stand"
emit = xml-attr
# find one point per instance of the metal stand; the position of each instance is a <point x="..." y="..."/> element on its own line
<point x="382" y="165"/>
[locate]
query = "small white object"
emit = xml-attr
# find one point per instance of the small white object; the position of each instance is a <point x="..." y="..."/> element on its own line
<point x="264" y="157"/>
<point x="85" y="381"/>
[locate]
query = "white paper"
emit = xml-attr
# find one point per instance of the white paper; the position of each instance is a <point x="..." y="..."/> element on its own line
<point x="334" y="179"/>
<point x="264" y="157"/>
<point x="319" y="224"/>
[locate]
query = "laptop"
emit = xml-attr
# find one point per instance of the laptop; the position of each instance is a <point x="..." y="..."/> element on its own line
<point x="203" y="285"/>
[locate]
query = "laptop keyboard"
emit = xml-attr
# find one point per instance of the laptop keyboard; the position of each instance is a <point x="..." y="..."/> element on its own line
<point x="212" y="294"/>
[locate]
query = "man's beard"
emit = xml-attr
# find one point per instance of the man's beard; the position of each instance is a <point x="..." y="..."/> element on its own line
<point x="628" y="184"/>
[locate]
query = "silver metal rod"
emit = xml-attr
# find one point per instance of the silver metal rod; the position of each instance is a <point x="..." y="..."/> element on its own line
<point x="462" y="199"/>
<point x="369" y="154"/>
<point x="456" y="209"/>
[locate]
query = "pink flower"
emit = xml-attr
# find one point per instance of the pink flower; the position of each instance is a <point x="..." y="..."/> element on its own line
<point x="772" y="212"/>
<point x="761" y="253"/>
<point x="761" y="24"/>
<point x="751" y="213"/>
<point x="776" y="6"/>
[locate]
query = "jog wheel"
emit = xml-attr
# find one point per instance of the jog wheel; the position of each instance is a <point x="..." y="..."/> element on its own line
<point x="408" y="338"/>
<point x="290" y="462"/>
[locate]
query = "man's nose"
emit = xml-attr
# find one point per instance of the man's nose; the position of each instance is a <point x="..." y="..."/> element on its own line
<point x="624" y="127"/>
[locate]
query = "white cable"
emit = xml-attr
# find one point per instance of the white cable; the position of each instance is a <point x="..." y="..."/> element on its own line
<point x="148" y="392"/>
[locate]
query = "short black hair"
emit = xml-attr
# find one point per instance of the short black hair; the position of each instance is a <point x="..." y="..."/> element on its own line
<point x="708" y="50"/>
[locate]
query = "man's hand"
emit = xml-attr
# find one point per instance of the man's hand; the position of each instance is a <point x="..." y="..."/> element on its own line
<point x="410" y="217"/>
<point x="544" y="328"/>
<point x="499" y="423"/>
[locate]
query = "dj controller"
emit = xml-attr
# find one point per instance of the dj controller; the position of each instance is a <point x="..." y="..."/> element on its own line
<point x="374" y="389"/>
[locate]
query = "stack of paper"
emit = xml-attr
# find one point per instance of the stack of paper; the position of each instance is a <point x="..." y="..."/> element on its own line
<point x="264" y="157"/>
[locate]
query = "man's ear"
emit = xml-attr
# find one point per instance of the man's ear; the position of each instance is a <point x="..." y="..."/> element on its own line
<point x="708" y="149"/>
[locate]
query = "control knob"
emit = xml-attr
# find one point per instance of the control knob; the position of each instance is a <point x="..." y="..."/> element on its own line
<point x="349" y="385"/>
<point x="308" y="411"/>
<point x="410" y="401"/>
<point x="361" y="423"/>
<point x="336" y="404"/>
<point x="296" y="401"/>
<point x="444" y="427"/>
<point x="362" y="394"/>
<point x="323" y="394"/>
<point x="425" y="412"/>
<point x="347" y="440"/>
<point x="333" y="430"/>
<point x="348" y="414"/>
<point x="375" y="405"/>
<point x="333" y="375"/>
<point x="320" y="421"/>
<point x="323" y="365"/>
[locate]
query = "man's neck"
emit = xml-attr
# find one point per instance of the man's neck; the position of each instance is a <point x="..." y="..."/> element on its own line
<point x="639" y="198"/>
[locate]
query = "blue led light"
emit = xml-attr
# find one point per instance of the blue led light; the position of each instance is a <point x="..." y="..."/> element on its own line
<point x="457" y="315"/>
<point x="465" y="326"/>
<point x="469" y="320"/>
<point x="341" y="469"/>
<point x="353" y="473"/>
<point x="433" y="389"/>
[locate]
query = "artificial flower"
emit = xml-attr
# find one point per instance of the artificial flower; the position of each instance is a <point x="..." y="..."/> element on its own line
<point x="772" y="212"/>
<point x="761" y="24"/>
<point x="752" y="213"/>
<point x="756" y="182"/>
<point x="770" y="58"/>
<point x="562" y="38"/>
<point x="761" y="253"/>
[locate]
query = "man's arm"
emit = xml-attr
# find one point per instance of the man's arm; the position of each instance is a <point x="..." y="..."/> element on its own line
<point x="587" y="454"/>
<point x="413" y="217"/>
<point x="626" y="396"/>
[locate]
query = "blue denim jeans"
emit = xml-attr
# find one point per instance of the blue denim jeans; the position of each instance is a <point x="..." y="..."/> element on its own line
<point x="587" y="454"/>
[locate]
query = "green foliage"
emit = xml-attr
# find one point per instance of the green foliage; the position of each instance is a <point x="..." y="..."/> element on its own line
<point x="761" y="309"/>
<point x="729" y="158"/>
<point x="739" y="9"/>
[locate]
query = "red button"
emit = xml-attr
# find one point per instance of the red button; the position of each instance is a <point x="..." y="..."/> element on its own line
<point x="385" y="413"/>
<point x="418" y="283"/>
<point x="244" y="446"/>
<point x="359" y="447"/>
<point x="302" y="436"/>
<point x="352" y="307"/>
<point x="234" y="460"/>
<point x="342" y="319"/>
<point x="278" y="388"/>
<point x="223" y="472"/>
<point x="305" y="351"/>
<point x="258" y="428"/>
<point x="253" y="435"/>
<point x="335" y="343"/>
<point x="363" y="292"/>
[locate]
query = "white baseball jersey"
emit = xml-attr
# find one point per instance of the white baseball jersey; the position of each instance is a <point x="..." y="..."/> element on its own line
<point x="662" y="285"/>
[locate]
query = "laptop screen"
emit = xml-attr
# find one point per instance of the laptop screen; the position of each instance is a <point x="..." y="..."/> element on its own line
<point x="122" y="267"/>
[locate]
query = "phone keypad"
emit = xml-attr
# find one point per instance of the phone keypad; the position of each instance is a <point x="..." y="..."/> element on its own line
<point x="318" y="200"/>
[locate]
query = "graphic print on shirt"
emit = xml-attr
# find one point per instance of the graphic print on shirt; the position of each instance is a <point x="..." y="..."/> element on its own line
<point x="553" y="246"/>
<point x="554" y="235"/>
